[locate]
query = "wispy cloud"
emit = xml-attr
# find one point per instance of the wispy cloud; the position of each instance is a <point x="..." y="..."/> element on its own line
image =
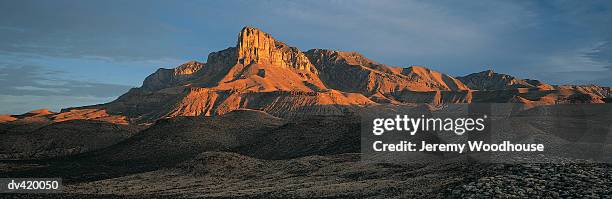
<point x="13" y="104"/>
<point x="11" y="29"/>
<point x="35" y="80"/>
<point x="455" y="37"/>
<point x="24" y="86"/>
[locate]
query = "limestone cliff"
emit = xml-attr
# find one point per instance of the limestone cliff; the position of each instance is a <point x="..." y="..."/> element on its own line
<point x="257" y="47"/>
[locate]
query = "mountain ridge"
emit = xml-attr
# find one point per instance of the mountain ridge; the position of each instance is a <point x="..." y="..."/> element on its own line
<point x="490" y="80"/>
<point x="262" y="73"/>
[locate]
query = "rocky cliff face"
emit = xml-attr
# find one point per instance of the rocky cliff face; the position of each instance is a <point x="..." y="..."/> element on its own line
<point x="259" y="63"/>
<point x="257" y="47"/>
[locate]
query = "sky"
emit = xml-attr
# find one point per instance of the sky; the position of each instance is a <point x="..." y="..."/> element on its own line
<point x="58" y="54"/>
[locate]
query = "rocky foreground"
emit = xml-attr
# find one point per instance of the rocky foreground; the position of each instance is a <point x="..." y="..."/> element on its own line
<point x="569" y="180"/>
<point x="252" y="154"/>
<point x="229" y="175"/>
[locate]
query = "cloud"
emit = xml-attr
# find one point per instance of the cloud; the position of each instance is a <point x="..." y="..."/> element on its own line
<point x="32" y="88"/>
<point x="111" y="30"/>
<point x="12" y="29"/>
<point x="602" y="53"/>
<point x="516" y="37"/>
<point x="18" y="104"/>
<point x="25" y="87"/>
<point x="450" y="36"/>
<point x="579" y="77"/>
<point x="34" y="80"/>
<point x="408" y="28"/>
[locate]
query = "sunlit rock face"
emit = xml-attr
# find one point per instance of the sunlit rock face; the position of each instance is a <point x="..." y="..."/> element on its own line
<point x="257" y="47"/>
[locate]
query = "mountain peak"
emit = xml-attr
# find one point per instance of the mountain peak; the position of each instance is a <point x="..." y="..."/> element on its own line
<point x="247" y="30"/>
<point x="489" y="72"/>
<point x="188" y="68"/>
<point x="417" y="68"/>
<point x="255" y="46"/>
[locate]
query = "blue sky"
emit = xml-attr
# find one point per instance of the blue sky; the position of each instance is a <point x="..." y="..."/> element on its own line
<point x="56" y="54"/>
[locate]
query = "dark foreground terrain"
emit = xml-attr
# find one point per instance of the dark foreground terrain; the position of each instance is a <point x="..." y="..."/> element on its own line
<point x="251" y="154"/>
<point x="229" y="175"/>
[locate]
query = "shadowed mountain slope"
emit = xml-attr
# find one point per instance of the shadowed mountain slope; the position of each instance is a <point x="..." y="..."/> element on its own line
<point x="352" y="72"/>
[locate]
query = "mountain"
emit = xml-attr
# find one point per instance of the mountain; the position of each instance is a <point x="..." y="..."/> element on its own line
<point x="262" y="73"/>
<point x="258" y="63"/>
<point x="495" y="87"/>
<point x="489" y="80"/>
<point x="258" y="73"/>
<point x="352" y="72"/>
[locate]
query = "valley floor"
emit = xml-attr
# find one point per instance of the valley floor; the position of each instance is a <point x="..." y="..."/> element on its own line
<point x="230" y="175"/>
<point x="251" y="154"/>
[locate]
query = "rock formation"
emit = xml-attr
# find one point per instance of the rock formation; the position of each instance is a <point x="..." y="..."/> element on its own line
<point x="257" y="47"/>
